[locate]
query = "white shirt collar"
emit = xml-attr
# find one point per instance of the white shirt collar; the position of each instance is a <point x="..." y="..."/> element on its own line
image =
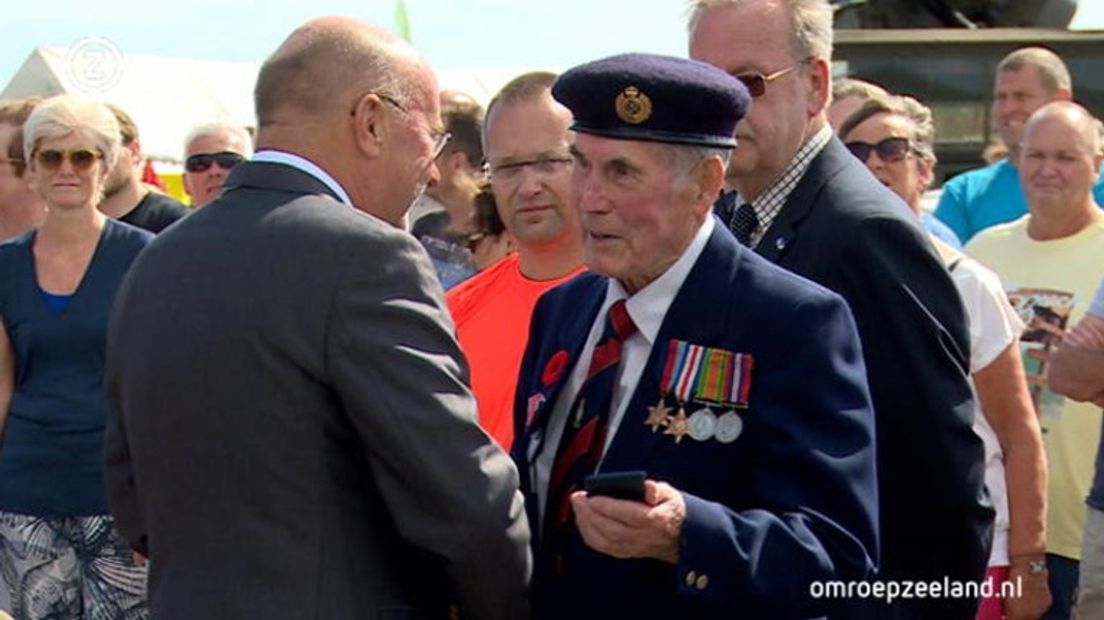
<point x="649" y="305"/>
<point x="305" y="165"/>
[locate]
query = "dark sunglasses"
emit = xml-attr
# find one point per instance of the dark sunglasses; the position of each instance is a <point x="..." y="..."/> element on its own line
<point x="81" y="159"/>
<point x="756" y="83"/>
<point x="200" y="162"/>
<point x="890" y="149"/>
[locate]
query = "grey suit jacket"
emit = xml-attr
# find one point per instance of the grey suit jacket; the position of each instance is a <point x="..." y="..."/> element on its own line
<point x="292" y="431"/>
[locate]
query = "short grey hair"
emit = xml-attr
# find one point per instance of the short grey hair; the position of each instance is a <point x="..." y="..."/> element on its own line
<point x="322" y="67"/>
<point x="1052" y="71"/>
<point x="65" y="115"/>
<point x="686" y="157"/>
<point x="1073" y="114"/>
<point x="811" y="22"/>
<point x="218" y="128"/>
<point x="854" y="87"/>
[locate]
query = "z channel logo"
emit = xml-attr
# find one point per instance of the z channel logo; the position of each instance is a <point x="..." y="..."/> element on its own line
<point x="94" y="65"/>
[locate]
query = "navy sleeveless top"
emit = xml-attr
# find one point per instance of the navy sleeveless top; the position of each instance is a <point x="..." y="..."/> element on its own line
<point x="51" y="451"/>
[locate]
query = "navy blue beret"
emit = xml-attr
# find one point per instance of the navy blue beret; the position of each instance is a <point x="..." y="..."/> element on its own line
<point x="654" y="98"/>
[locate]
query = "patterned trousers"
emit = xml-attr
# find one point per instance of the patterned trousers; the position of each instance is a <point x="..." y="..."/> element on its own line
<point x="69" y="568"/>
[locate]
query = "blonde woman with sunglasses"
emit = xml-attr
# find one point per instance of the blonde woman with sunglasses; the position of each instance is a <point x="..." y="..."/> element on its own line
<point x="60" y="556"/>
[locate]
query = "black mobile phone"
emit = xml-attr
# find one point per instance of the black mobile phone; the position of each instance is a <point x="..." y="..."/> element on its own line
<point x="618" y="485"/>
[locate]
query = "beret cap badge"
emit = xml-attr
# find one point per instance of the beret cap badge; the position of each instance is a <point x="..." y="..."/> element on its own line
<point x="633" y="106"/>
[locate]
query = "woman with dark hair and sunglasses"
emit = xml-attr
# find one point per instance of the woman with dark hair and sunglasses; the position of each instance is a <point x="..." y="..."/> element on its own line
<point x="60" y="555"/>
<point x="894" y="137"/>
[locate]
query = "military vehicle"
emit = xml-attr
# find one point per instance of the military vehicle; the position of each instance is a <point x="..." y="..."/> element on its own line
<point x="948" y="55"/>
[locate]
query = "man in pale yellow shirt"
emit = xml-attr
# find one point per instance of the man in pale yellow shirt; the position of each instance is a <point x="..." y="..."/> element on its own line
<point x="1050" y="261"/>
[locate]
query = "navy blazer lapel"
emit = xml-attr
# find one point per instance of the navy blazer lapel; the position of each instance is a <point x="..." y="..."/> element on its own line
<point x="691" y="318"/>
<point x="799" y="204"/>
<point x="276" y="176"/>
<point x="569" y="336"/>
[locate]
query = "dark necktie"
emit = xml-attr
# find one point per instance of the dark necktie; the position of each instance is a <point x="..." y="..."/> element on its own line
<point x="584" y="435"/>
<point x="744" y="222"/>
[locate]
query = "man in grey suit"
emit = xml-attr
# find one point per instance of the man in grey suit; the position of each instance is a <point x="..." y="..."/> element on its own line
<point x="293" y="435"/>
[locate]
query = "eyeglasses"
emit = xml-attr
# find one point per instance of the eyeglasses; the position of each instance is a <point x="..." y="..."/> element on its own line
<point x="439" y="145"/>
<point x="440" y="140"/>
<point x="81" y="159"/>
<point x="545" y="165"/>
<point x="392" y="101"/>
<point x="200" y="162"/>
<point x="890" y="149"/>
<point x="756" y="83"/>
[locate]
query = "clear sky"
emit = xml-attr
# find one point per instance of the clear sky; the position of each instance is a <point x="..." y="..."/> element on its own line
<point x="453" y="34"/>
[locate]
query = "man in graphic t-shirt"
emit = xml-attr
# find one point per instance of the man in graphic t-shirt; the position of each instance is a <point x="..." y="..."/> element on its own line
<point x="1034" y="256"/>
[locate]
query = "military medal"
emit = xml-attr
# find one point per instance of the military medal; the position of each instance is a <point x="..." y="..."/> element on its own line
<point x="677" y="425"/>
<point x="729" y="427"/>
<point x="702" y="424"/>
<point x="657" y="415"/>
<point x="694" y="373"/>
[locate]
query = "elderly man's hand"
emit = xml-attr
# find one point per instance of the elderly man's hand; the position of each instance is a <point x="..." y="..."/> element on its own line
<point x="627" y="529"/>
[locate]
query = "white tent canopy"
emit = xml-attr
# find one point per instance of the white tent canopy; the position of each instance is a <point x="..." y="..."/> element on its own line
<point x="169" y="96"/>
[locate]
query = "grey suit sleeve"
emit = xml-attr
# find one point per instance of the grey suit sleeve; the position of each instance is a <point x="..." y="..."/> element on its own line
<point x="402" y="379"/>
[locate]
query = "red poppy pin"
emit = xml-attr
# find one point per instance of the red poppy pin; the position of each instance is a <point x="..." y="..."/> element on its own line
<point x="554" y="369"/>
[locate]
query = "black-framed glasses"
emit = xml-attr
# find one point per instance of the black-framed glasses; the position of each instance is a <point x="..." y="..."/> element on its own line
<point x="889" y="149"/>
<point x="545" y="165"/>
<point x="200" y="162"/>
<point x="81" y="159"/>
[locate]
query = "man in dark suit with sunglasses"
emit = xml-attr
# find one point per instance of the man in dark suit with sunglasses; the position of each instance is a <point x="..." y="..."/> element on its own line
<point x="210" y="152"/>
<point x="293" y="435"/>
<point x="808" y="205"/>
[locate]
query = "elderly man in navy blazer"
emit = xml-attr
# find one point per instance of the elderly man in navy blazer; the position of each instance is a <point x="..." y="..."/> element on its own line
<point x="737" y="387"/>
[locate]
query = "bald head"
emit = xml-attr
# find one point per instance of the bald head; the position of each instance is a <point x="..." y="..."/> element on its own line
<point x="1072" y="115"/>
<point x="325" y="64"/>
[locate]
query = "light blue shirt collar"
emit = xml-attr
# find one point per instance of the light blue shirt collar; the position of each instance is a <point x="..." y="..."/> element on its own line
<point x="305" y="165"/>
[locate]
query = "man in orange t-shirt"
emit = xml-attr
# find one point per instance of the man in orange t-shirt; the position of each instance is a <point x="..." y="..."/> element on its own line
<point x="526" y="141"/>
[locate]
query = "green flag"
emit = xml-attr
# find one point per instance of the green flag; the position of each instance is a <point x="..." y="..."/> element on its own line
<point x="402" y="21"/>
